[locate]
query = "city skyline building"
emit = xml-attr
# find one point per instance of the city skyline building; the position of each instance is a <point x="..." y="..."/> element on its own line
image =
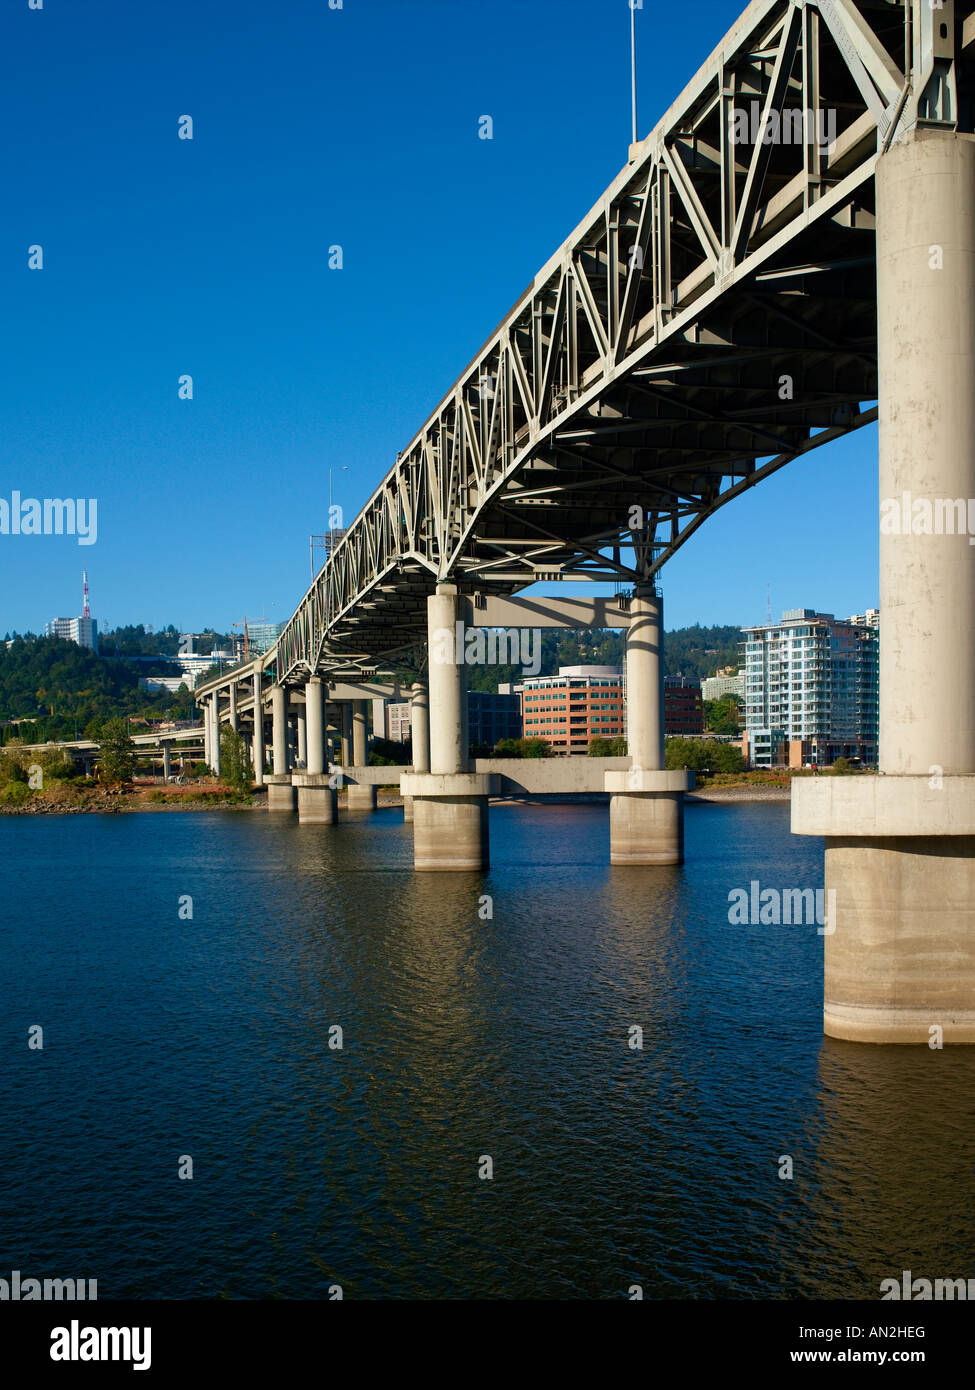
<point x="811" y="690"/>
<point x="571" y="709"/>
<point x="683" y="707"/>
<point x="726" y="682"/>
<point x="84" y="630"/>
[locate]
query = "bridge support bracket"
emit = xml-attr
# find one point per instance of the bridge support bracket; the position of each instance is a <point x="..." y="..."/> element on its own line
<point x="646" y="816"/>
<point x="280" y="791"/>
<point x="450" y="819"/>
<point x="361" y="796"/>
<point x="318" y="799"/>
<point x="899" y="928"/>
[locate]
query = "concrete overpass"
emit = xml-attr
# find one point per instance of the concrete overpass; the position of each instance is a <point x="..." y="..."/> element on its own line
<point x="741" y="295"/>
<point x="183" y="742"/>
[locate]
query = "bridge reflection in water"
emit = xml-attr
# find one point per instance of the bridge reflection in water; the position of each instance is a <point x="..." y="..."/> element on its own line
<point x="464" y="1036"/>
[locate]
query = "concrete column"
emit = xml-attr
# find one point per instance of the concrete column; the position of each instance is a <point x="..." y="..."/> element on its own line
<point x="317" y="797"/>
<point x="234" y="723"/>
<point x="279" y="729"/>
<point x="302" y="718"/>
<point x="448" y="681"/>
<point x="346" y="734"/>
<point x="314" y="751"/>
<point x="646" y="808"/>
<point x="206" y="732"/>
<point x="450" y="804"/>
<point x="419" y="736"/>
<point x="361" y="797"/>
<point x="166" y="767"/>
<point x="645" y="681"/>
<point x="420" y="727"/>
<point x="258" y="732"/>
<point x="280" y="789"/>
<point x="927" y="451"/>
<point x="360" y="740"/>
<point x="900" y="847"/>
<point x="215" y="736"/>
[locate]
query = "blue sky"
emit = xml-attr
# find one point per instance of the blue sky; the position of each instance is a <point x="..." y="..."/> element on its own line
<point x="163" y="257"/>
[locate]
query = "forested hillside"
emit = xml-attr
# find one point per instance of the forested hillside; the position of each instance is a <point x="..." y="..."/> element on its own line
<point x="688" y="651"/>
<point x="66" y="691"/>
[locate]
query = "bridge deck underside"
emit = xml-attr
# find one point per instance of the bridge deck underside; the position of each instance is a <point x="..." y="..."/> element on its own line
<point x="712" y="318"/>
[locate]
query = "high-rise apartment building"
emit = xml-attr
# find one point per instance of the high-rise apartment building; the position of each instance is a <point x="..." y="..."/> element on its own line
<point x="83" y="631"/>
<point x="811" y="691"/>
<point x="724" y="683"/>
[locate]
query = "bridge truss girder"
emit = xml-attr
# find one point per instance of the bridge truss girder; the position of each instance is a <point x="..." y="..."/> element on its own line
<point x="711" y="319"/>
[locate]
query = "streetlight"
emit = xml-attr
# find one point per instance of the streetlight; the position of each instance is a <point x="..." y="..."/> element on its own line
<point x="343" y="468"/>
<point x="633" y="7"/>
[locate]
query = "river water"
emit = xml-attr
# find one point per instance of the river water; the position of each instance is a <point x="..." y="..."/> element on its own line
<point x="475" y="1035"/>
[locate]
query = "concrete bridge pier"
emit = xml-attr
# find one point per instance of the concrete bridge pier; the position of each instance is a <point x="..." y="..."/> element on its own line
<point x="280" y="789"/>
<point x="646" y="808"/>
<point x="419" y="737"/>
<point x="317" y="799"/>
<point x="900" y="847"/>
<point x="361" y="798"/>
<point x="346" y="734"/>
<point x="234" y="722"/>
<point x="301" y="718"/>
<point x="258" y="748"/>
<point x="214" y="759"/>
<point x="165" y="757"/>
<point x="450" y="803"/>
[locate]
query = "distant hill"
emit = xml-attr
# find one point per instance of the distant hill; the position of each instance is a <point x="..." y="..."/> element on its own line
<point x="700" y="651"/>
<point x="136" y="640"/>
<point x="67" y="691"/>
<point x="688" y="651"/>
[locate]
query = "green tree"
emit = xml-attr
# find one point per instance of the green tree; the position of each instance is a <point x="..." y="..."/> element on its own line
<point x="522" y="748"/>
<point x="535" y="747"/>
<point x="723" y="716"/>
<point x="235" y="764"/>
<point x="703" y="755"/>
<point x="602" y="747"/>
<point x="118" y="752"/>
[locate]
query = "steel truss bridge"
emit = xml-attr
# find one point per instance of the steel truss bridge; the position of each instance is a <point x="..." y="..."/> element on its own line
<point x="712" y="318"/>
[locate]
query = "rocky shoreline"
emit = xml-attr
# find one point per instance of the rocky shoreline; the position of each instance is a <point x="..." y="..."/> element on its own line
<point x="741" y="792"/>
<point x="220" y="799"/>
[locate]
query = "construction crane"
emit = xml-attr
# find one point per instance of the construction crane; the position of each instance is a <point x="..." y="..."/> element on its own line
<point x="247" y="650"/>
